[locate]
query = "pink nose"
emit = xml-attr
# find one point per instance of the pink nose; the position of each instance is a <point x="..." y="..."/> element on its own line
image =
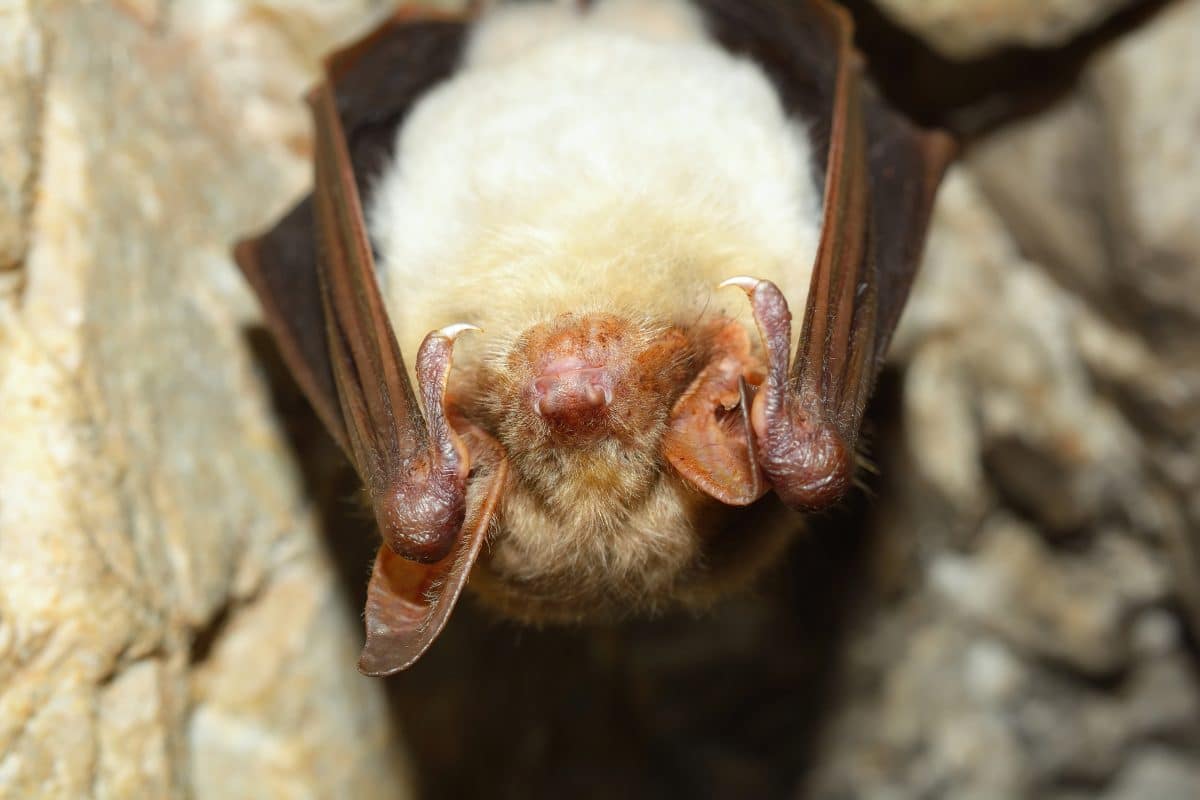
<point x="569" y="394"/>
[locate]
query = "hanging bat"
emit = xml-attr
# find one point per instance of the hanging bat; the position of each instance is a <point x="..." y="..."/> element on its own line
<point x="587" y="183"/>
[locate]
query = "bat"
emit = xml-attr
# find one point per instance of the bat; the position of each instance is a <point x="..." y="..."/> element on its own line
<point x="548" y="208"/>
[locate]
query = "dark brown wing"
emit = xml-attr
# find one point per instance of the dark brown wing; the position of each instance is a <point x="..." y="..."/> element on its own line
<point x="878" y="175"/>
<point x="316" y="278"/>
<point x="905" y="165"/>
<point x="376" y="82"/>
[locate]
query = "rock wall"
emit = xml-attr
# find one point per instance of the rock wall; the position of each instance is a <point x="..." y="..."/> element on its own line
<point x="966" y="29"/>
<point x="170" y="623"/>
<point x="1040" y="543"/>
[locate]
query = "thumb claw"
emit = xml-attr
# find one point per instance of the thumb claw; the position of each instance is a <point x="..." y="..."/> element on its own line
<point x="743" y="282"/>
<point x="799" y="451"/>
<point x="452" y="332"/>
<point x="427" y="505"/>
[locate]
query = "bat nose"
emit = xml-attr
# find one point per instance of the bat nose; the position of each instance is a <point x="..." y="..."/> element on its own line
<point x="570" y="395"/>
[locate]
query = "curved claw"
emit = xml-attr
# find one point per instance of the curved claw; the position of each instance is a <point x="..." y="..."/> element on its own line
<point x="427" y="505"/>
<point x="743" y="282"/>
<point x="433" y="371"/>
<point x="452" y="332"/>
<point x="799" y="449"/>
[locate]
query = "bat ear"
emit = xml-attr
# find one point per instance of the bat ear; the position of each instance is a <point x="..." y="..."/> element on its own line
<point x="408" y="603"/>
<point x="709" y="440"/>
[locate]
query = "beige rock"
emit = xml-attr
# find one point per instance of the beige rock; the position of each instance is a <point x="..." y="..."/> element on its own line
<point x="1146" y="90"/>
<point x="1156" y="773"/>
<point x="964" y="29"/>
<point x="995" y="381"/>
<point x="1105" y="197"/>
<point x="1070" y="610"/>
<point x="1043" y="516"/>
<point x="22" y="70"/>
<point x="170" y="625"/>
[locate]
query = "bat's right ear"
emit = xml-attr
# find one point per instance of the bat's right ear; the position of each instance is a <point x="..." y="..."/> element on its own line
<point x="709" y="439"/>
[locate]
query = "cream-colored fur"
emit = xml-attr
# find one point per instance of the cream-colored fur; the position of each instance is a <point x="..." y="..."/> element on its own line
<point x="616" y="161"/>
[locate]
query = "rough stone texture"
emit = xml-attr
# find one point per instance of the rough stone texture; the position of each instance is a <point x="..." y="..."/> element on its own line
<point x="1106" y="199"/>
<point x="170" y="623"/>
<point x="22" y="68"/>
<point x="964" y="29"/>
<point x="1038" y="534"/>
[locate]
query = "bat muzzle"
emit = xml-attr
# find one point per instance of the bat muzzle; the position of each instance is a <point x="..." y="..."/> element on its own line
<point x="572" y="397"/>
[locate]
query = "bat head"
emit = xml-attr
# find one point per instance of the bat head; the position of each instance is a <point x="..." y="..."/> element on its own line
<point x="594" y="522"/>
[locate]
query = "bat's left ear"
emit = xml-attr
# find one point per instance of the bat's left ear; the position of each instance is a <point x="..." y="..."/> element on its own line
<point x="709" y="440"/>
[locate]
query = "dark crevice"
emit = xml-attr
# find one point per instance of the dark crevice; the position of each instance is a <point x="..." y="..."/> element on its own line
<point x="970" y="98"/>
<point x="206" y="638"/>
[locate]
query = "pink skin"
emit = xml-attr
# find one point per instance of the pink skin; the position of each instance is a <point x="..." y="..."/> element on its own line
<point x="579" y="379"/>
<point x="569" y="392"/>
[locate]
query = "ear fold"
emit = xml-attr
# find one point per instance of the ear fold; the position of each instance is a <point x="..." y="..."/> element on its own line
<point x="709" y="440"/>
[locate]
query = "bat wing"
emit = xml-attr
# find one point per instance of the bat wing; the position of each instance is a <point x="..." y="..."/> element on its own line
<point x="878" y="175"/>
<point x="376" y="82"/>
<point x="315" y="276"/>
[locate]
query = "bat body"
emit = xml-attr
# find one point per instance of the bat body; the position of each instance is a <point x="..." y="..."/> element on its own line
<point x="586" y="174"/>
<point x="579" y="180"/>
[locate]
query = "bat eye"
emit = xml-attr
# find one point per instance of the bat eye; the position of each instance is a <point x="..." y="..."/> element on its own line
<point x="569" y="396"/>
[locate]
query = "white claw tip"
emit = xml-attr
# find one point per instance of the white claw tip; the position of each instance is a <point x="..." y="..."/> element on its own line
<point x="452" y="332"/>
<point x="743" y="282"/>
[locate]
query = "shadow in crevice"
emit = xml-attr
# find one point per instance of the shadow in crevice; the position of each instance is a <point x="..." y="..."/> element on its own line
<point x="971" y="97"/>
<point x="725" y="704"/>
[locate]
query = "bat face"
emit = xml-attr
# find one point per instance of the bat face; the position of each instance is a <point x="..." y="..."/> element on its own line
<point x="591" y="186"/>
<point x="594" y="523"/>
<point x="588" y="238"/>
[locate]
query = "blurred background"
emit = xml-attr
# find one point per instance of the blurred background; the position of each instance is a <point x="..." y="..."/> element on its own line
<point x="1010" y="610"/>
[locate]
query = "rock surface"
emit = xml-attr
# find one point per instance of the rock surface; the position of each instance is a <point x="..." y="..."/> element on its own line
<point x="170" y="623"/>
<point x="1042" y="551"/>
<point x="22" y="66"/>
<point x="964" y="29"/>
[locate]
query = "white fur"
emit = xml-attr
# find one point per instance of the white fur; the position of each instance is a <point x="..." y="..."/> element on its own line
<point x="614" y="160"/>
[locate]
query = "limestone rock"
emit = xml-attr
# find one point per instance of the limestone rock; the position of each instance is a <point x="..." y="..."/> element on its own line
<point x="1158" y="774"/>
<point x="1106" y="199"/>
<point x="1039" y="529"/>
<point x="998" y="397"/>
<point x="170" y="622"/>
<point x="22" y="69"/>
<point x="964" y="29"/>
